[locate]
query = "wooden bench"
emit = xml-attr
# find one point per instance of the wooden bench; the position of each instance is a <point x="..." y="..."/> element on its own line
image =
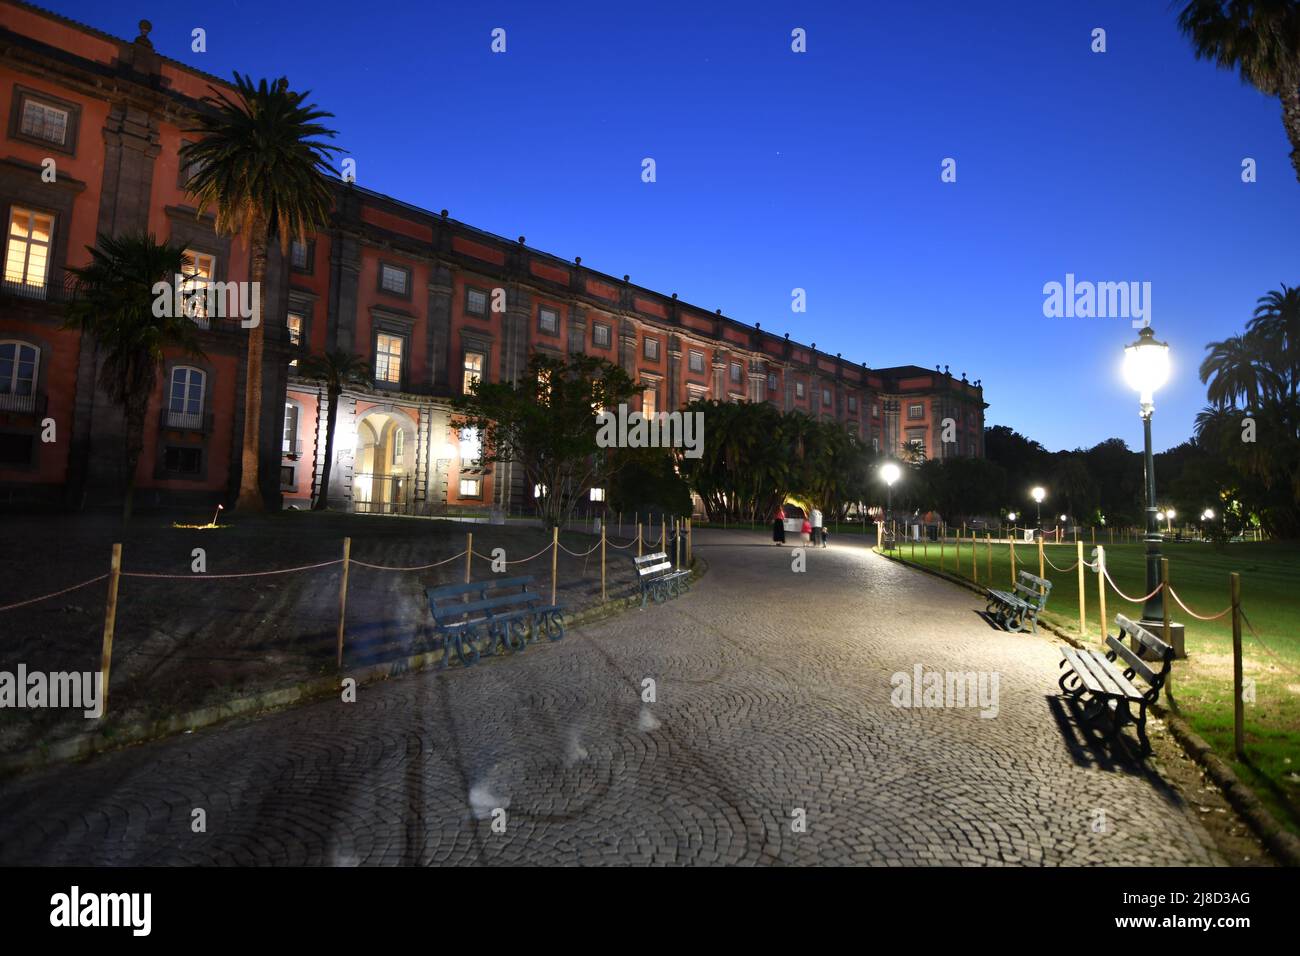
<point x="657" y="579"/>
<point x="1012" y="609"/>
<point x="1110" y="686"/>
<point x="465" y="614"/>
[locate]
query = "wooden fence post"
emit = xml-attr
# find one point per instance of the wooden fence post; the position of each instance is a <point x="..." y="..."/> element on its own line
<point x="1011" y="541"/>
<point x="638" y="539"/>
<point x="940" y="547"/>
<point x="343" y="595"/>
<point x="1042" y="568"/>
<point x="603" y="598"/>
<point x="1238" y="705"/>
<point x="469" y="555"/>
<point x="974" y="559"/>
<point x="1101" y="590"/>
<point x="690" y="544"/>
<point x="988" y="554"/>
<point x="555" y="560"/>
<point x="110" y="625"/>
<point x="1083" y="592"/>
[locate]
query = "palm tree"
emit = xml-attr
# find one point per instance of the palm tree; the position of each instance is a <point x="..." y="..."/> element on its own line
<point x="1235" y="368"/>
<point x="337" y="371"/>
<point x="261" y="168"/>
<point x="114" y="305"/>
<point x="1261" y="40"/>
<point x="1277" y="321"/>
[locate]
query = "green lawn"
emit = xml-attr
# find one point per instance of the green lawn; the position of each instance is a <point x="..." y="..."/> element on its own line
<point x="1201" y="686"/>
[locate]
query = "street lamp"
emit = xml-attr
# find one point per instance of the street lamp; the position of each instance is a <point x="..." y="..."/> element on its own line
<point x="1169" y="519"/>
<point x="889" y="473"/>
<point x="1039" y="493"/>
<point x="1146" y="368"/>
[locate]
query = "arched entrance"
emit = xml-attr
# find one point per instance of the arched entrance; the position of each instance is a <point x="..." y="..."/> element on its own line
<point x="384" y="474"/>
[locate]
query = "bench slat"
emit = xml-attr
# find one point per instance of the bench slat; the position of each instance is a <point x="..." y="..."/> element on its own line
<point x="1085" y="673"/>
<point x="1117" y="685"/>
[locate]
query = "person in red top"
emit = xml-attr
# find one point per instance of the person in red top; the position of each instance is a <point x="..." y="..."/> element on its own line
<point x="778" y="526"/>
<point x="807" y="530"/>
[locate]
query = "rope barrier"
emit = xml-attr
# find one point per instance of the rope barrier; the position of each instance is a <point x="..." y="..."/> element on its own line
<point x="526" y="560"/>
<point x="1055" y="568"/>
<point x="1174" y="594"/>
<point x="414" y="567"/>
<point x="1272" y="653"/>
<point x="46" y="597"/>
<point x="244" y="574"/>
<point x="583" y="554"/>
<point x="1141" y="600"/>
<point x="620" y="547"/>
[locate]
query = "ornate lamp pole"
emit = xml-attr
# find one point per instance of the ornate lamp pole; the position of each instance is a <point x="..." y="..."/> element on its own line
<point x="1039" y="493"/>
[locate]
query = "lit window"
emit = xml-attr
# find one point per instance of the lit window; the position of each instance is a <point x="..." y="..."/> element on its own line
<point x="471" y="445"/>
<point x="399" y="445"/>
<point x="185" y="400"/>
<point x="473" y="371"/>
<point x="294" y="323"/>
<point x="27" y="251"/>
<point x="652" y="349"/>
<point x="42" y="121"/>
<point x="548" y="320"/>
<point x="875" y="410"/>
<point x="471" y="488"/>
<point x="290" y="428"/>
<point x="798" y="389"/>
<point x="597" y="494"/>
<point x="539" y="490"/>
<point x="388" y="358"/>
<point x="475" y="301"/>
<point x="696" y="361"/>
<point x="600" y="335"/>
<point x="392" y="279"/>
<point x="197" y="269"/>
<point x="915" y="411"/>
<point x="18" y="363"/>
<point x="648" y="402"/>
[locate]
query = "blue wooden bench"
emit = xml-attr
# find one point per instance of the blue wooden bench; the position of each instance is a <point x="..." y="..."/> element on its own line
<point x="1012" y="609"/>
<point x="492" y="613"/>
<point x="1110" y="686"/>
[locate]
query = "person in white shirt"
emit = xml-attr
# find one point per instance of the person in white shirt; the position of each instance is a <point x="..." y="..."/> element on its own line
<point x="818" y="529"/>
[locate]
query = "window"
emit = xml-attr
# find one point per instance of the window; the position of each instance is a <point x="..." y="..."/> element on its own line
<point x="548" y="320"/>
<point x="186" y="172"/>
<point x="185" y="399"/>
<point x="399" y="446"/>
<point x="291" y="446"/>
<point x="651" y="349"/>
<point x="18" y="364"/>
<point x="649" y="402"/>
<point x="198" y="269"/>
<point x="853" y="403"/>
<point x="735" y="372"/>
<point x="475" y="302"/>
<point x="388" y="359"/>
<point x="183" y="461"/>
<point x="798" y="389"/>
<point x="394" y="279"/>
<point x="301" y="255"/>
<point x="597" y="494"/>
<point x="471" y="488"/>
<point x="915" y="411"/>
<point x="286" y="477"/>
<point x="474" y="362"/>
<point x="771" y="382"/>
<point x="826" y="398"/>
<point x="875" y="444"/>
<point x="295" y="323"/>
<point x="471" y="446"/>
<point x="27" y="250"/>
<point x="600" y="335"/>
<point x="44" y="122"/>
<point x="875" y="410"/>
<point x="696" y="361"/>
<point x="539" y="490"/>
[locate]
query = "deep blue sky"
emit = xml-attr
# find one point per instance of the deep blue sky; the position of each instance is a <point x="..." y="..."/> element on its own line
<point x="821" y="170"/>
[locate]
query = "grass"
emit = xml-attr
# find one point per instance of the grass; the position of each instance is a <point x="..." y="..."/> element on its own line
<point x="1201" y="685"/>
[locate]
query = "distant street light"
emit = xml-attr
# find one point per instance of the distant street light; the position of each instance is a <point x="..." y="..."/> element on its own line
<point x="1039" y="493"/>
<point x="889" y="473"/>
<point x="1146" y="368"/>
<point x="1169" y="519"/>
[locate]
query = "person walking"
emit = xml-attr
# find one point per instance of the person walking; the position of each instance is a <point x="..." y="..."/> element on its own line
<point x="806" y="530"/>
<point x="778" y="527"/>
<point x="818" y="529"/>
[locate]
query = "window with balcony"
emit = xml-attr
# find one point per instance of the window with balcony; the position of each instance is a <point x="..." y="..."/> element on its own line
<point x="185" y="400"/>
<point x="292" y="445"/>
<point x="474" y="362"/>
<point x="27" y="251"/>
<point x="18" y="366"/>
<point x="388" y="359"/>
<point x="197" y="270"/>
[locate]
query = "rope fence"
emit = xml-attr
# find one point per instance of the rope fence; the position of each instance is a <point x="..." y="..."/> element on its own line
<point x="46" y="597"/>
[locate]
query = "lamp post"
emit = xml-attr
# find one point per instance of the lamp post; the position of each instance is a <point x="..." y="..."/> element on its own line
<point x="1039" y="493"/>
<point x="1169" y="520"/>
<point x="889" y="473"/>
<point x="1146" y="368"/>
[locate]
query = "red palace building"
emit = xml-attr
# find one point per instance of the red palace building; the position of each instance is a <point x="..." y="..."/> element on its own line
<point x="415" y="293"/>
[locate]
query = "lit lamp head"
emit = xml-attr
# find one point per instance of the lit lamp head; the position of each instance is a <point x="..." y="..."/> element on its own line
<point x="889" y="473"/>
<point x="1171" y="514"/>
<point x="1011" y="516"/>
<point x="1208" y="514"/>
<point x="1146" y="368"/>
<point x="1039" y="493"/>
<point x="1064" y="519"/>
<point x="1160" y="516"/>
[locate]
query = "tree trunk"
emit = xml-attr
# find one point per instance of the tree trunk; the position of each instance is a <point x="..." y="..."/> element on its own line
<point x="1291" y="120"/>
<point x="250" y="491"/>
<point x="331" y="418"/>
<point x="134" y="446"/>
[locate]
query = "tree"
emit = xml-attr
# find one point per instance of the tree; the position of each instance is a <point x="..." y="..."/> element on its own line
<point x="114" y="305"/>
<point x="1277" y="324"/>
<point x="261" y="168"/>
<point x="546" y="424"/>
<point x="336" y="370"/>
<point x="645" y="481"/>
<point x="1260" y="39"/>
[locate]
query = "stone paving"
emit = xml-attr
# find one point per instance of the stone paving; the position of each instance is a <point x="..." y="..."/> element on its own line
<point x="772" y="696"/>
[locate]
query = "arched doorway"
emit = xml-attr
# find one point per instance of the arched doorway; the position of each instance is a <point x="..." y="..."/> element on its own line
<point x="383" y="478"/>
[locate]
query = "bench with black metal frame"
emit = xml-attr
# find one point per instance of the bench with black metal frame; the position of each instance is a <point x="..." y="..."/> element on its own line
<point x="1107" y="678"/>
<point x="1011" y="609"/>
<point x="464" y="616"/>
<point x="657" y="579"/>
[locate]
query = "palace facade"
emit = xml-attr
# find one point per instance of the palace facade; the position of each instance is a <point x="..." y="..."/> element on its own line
<point x="430" y="303"/>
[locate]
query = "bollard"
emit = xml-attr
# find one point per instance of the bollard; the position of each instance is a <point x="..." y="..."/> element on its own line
<point x="343" y="596"/>
<point x="1238" y="705"/>
<point x="1083" y="620"/>
<point x="555" y="560"/>
<point x="110" y="625"/>
<point x="603" y="598"/>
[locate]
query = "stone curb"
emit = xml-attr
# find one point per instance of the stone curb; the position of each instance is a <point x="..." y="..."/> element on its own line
<point x="1279" y="840"/>
<point x="82" y="746"/>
